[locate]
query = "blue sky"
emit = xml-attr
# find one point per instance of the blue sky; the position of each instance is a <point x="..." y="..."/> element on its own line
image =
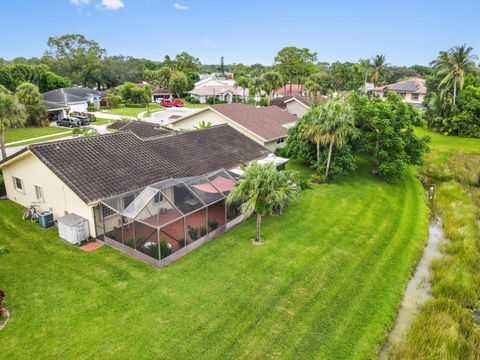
<point x="409" y="32"/>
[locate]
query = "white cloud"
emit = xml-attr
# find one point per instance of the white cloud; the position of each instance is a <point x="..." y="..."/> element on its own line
<point x="180" y="6"/>
<point x="79" y="2"/>
<point x="112" y="4"/>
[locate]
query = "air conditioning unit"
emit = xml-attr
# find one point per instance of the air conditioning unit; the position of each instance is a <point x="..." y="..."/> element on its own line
<point x="73" y="228"/>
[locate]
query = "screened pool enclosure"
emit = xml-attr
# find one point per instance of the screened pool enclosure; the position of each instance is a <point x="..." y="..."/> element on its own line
<point x="167" y="218"/>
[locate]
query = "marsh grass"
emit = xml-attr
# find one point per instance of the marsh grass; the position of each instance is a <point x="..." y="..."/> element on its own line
<point x="445" y="328"/>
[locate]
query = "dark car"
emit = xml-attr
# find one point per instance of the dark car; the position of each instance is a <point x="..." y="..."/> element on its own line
<point x="84" y="120"/>
<point x="69" y="122"/>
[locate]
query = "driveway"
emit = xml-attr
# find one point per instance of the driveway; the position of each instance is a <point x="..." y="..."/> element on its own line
<point x="164" y="117"/>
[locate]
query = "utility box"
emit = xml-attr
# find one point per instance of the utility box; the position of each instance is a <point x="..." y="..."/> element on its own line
<point x="45" y="219"/>
<point x="73" y="228"/>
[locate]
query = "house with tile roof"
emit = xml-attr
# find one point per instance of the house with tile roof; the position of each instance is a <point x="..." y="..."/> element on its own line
<point x="295" y="105"/>
<point x="268" y="126"/>
<point x="412" y="90"/>
<point x="78" y="175"/>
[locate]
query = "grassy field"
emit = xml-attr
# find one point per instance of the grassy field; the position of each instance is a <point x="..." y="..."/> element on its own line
<point x="195" y="106"/>
<point x="445" y="328"/>
<point x="25" y="133"/>
<point x="102" y="121"/>
<point x="326" y="284"/>
<point x="126" y="111"/>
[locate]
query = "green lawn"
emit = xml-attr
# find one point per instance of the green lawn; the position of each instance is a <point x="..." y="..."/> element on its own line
<point x="326" y="284"/>
<point x="190" y="105"/>
<point x="102" y="121"/>
<point x="126" y="111"/>
<point x="25" y="133"/>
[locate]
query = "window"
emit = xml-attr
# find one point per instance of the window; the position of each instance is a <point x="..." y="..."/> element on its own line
<point x="18" y="184"/>
<point x="415" y="96"/>
<point x="402" y="94"/>
<point x="39" y="194"/>
<point x="158" y="197"/>
<point x="281" y="140"/>
<point x="385" y="94"/>
<point x="106" y="211"/>
<point x="127" y="200"/>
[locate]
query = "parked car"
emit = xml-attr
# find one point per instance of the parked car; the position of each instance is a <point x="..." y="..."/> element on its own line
<point x="84" y="120"/>
<point x="177" y="103"/>
<point x="166" y="103"/>
<point x="69" y="122"/>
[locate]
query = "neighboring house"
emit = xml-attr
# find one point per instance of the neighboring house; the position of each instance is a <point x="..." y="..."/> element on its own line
<point x="295" y="105"/>
<point x="62" y="101"/>
<point x="75" y="176"/>
<point x="212" y="80"/>
<point x="290" y="90"/>
<point x="412" y="90"/>
<point x="222" y="92"/>
<point x="267" y="126"/>
<point x="157" y="92"/>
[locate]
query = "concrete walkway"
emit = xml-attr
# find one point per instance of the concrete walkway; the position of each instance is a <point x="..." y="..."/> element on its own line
<point x="104" y="115"/>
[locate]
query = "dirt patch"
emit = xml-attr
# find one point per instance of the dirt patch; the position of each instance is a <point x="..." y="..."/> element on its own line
<point x="4" y="317"/>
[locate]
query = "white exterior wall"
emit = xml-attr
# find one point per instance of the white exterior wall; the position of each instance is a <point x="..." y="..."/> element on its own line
<point x="59" y="198"/>
<point x="407" y="98"/>
<point x="78" y="106"/>
<point x="297" y="109"/>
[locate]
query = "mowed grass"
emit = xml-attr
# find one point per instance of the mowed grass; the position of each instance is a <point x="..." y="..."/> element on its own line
<point x="128" y="111"/>
<point x="326" y="284"/>
<point x="445" y="328"/>
<point x="25" y="133"/>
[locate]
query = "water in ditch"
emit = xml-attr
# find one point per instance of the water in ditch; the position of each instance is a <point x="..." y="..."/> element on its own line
<point x="418" y="290"/>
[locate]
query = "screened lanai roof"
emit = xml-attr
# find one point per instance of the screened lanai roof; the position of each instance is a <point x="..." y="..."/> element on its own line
<point x="169" y="200"/>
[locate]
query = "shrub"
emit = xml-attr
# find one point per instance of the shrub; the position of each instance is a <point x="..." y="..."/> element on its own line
<point x="3" y="250"/>
<point x="282" y="152"/>
<point x="318" y="178"/>
<point x="113" y="101"/>
<point x="136" y="106"/>
<point x="90" y="107"/>
<point x="153" y="251"/>
<point x="182" y="242"/>
<point x="202" y="231"/>
<point x="194" y="101"/>
<point x="263" y="101"/>
<point x="304" y="185"/>
<point x="193" y="233"/>
<point x="212" y="225"/>
<point x="129" y="243"/>
<point x="164" y="249"/>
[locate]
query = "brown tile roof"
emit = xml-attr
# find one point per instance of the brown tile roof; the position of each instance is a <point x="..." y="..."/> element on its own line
<point x="285" y="90"/>
<point x="141" y="128"/>
<point x="281" y="101"/>
<point x="106" y="165"/>
<point x="266" y="122"/>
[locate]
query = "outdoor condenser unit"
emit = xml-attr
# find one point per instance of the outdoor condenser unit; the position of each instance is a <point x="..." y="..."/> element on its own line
<point x="73" y="228"/>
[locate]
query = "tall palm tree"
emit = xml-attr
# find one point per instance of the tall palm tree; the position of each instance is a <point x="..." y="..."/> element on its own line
<point x="330" y="124"/>
<point x="366" y="66"/>
<point x="453" y="65"/>
<point x="28" y="94"/>
<point x="242" y="82"/>
<point x="271" y="81"/>
<point x="256" y="84"/>
<point x="262" y="189"/>
<point x="379" y="68"/>
<point x="11" y="114"/>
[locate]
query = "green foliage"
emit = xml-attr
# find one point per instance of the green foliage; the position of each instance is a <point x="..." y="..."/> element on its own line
<point x="13" y="75"/>
<point x="317" y="178"/>
<point x="113" y="101"/>
<point x="193" y="233"/>
<point x="131" y="93"/>
<point x="178" y="83"/>
<point x="28" y="94"/>
<point x="3" y="250"/>
<point x="295" y="64"/>
<point x="342" y="164"/>
<point x="36" y="115"/>
<point x="212" y="225"/>
<point x="385" y="132"/>
<point x="12" y="114"/>
<point x="203" y="125"/>
<point x="3" y="191"/>
<point x="165" y="249"/>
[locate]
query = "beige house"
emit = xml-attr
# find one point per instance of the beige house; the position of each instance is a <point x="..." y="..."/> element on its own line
<point x="268" y="126"/>
<point x="411" y="90"/>
<point x="76" y="175"/>
<point x="295" y="105"/>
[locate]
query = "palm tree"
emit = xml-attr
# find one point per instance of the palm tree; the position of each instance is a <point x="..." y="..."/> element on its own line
<point x="203" y="124"/>
<point x="11" y="114"/>
<point x="366" y="66"/>
<point x="271" y="81"/>
<point x="242" y="82"/>
<point x="331" y="123"/>
<point x="28" y="94"/>
<point x="257" y="84"/>
<point x="261" y="190"/>
<point x="453" y="65"/>
<point x="379" y="68"/>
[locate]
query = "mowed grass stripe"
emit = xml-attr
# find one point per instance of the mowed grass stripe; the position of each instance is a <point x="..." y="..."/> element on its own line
<point x="228" y="299"/>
